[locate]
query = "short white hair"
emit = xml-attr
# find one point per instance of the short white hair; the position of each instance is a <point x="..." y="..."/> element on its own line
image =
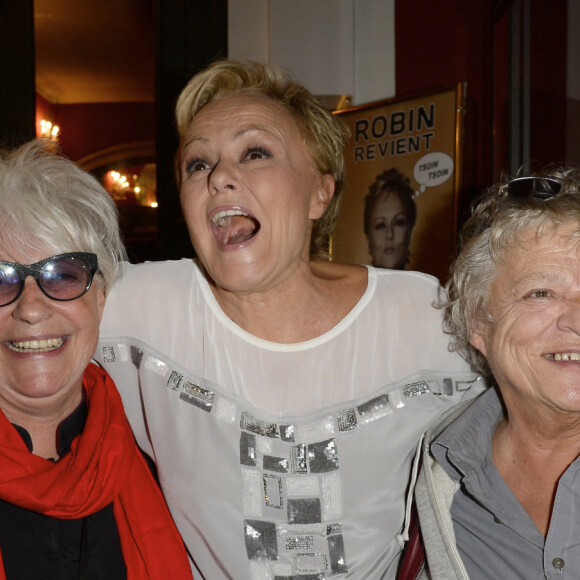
<point x="47" y="203"/>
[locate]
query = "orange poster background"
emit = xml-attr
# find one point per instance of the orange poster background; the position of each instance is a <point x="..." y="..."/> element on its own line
<point x="421" y="136"/>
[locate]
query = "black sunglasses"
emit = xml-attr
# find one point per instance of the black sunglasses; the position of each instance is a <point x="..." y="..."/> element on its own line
<point x="535" y="188"/>
<point x="63" y="277"/>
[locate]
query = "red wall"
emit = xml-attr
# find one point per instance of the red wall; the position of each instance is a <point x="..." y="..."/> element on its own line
<point x="449" y="41"/>
<point x="88" y="128"/>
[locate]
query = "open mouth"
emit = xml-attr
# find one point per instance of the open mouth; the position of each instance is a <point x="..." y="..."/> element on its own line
<point x="233" y="226"/>
<point x="36" y="346"/>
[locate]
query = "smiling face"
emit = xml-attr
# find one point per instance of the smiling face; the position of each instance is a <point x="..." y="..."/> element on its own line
<point x="45" y="346"/>
<point x="533" y="344"/>
<point x="249" y="193"/>
<point x="389" y="232"/>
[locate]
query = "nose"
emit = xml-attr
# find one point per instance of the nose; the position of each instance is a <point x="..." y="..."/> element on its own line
<point x="569" y="319"/>
<point x="32" y="306"/>
<point x="222" y="178"/>
<point x="389" y="232"/>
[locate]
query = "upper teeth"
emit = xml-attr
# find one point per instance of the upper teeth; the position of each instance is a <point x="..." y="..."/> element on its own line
<point x="219" y="219"/>
<point x="37" y="345"/>
<point x="567" y="356"/>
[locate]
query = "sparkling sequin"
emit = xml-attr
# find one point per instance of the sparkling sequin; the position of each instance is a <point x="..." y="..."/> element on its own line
<point x="273" y="491"/>
<point x="323" y="456"/>
<point x="374" y="405"/>
<point x="261" y="542"/>
<point x="336" y="554"/>
<point x="174" y="380"/>
<point x="298" y="459"/>
<point x="287" y="433"/>
<point x="415" y="389"/>
<point x="346" y="420"/>
<point x="304" y="511"/>
<point x="248" y="449"/>
<point x="136" y="356"/>
<point x="198" y="396"/>
<point x="250" y="423"/>
<point x="332" y="529"/>
<point x="109" y="354"/>
<point x="279" y="464"/>
<point x="300" y="543"/>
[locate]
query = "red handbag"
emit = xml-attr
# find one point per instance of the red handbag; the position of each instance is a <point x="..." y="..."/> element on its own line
<point x="412" y="564"/>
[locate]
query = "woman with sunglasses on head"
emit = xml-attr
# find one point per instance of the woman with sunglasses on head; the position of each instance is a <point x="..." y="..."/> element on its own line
<point x="77" y="498"/>
<point x="281" y="394"/>
<point x="498" y="492"/>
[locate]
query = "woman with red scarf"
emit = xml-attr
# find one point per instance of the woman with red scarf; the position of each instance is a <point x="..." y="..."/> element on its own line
<point x="77" y="498"/>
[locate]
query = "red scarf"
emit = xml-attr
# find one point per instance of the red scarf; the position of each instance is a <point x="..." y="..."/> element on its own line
<point x="103" y="465"/>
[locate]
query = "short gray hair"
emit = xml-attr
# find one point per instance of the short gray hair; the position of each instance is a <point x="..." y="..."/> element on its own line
<point x="47" y="203"/>
<point x="497" y="223"/>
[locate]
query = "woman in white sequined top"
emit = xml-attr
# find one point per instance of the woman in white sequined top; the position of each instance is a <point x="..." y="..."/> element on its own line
<point x="281" y="395"/>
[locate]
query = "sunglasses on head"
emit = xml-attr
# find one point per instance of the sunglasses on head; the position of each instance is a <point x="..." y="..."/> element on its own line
<point x="63" y="277"/>
<point x="535" y="188"/>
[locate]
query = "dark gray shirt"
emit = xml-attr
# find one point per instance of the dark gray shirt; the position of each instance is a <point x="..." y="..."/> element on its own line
<point x="495" y="535"/>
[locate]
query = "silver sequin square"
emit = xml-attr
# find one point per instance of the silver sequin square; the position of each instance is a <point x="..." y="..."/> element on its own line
<point x="336" y="555"/>
<point x="273" y="491"/>
<point x="323" y="456"/>
<point x="174" y="380"/>
<point x="298" y="459"/>
<point x="248" y="449"/>
<point x="279" y="464"/>
<point x="287" y="433"/>
<point x="304" y="511"/>
<point x="261" y="541"/>
<point x="375" y="405"/>
<point x="300" y="543"/>
<point x="109" y="354"/>
<point x="198" y="396"/>
<point x="250" y="423"/>
<point x="415" y="389"/>
<point x="347" y="420"/>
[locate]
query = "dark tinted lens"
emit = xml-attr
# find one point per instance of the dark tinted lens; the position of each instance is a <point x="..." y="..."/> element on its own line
<point x="9" y="284"/>
<point x="65" y="278"/>
<point x="538" y="188"/>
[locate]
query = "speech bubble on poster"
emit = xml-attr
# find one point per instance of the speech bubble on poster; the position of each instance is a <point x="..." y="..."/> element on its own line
<point x="432" y="169"/>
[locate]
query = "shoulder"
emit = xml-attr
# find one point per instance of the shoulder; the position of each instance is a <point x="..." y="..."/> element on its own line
<point x="413" y="289"/>
<point x="153" y="276"/>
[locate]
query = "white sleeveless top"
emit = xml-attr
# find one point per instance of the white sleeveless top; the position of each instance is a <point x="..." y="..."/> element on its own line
<point x="281" y="461"/>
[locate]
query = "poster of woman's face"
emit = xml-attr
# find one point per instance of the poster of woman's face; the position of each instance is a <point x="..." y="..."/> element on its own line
<point x="389" y="217"/>
<point x="403" y="172"/>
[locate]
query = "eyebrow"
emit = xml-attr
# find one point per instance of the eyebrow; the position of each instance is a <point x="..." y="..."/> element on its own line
<point x="243" y="131"/>
<point x="539" y="278"/>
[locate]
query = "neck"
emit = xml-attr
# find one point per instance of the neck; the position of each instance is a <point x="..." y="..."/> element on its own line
<point x="42" y="424"/>
<point x="304" y="307"/>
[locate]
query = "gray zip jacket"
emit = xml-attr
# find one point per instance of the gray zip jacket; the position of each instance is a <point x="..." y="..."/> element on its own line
<point x="434" y="493"/>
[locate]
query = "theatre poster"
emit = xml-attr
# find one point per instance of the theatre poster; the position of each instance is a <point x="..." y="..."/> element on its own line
<point x="421" y="136"/>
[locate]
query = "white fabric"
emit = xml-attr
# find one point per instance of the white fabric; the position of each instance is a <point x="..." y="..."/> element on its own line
<point x="281" y="460"/>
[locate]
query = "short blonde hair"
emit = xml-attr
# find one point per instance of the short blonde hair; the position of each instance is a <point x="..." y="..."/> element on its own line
<point x="322" y="132"/>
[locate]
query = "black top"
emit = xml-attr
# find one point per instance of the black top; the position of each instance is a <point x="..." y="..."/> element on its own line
<point x="38" y="547"/>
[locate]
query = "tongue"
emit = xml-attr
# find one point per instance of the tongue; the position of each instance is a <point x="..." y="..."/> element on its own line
<point x="237" y="229"/>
